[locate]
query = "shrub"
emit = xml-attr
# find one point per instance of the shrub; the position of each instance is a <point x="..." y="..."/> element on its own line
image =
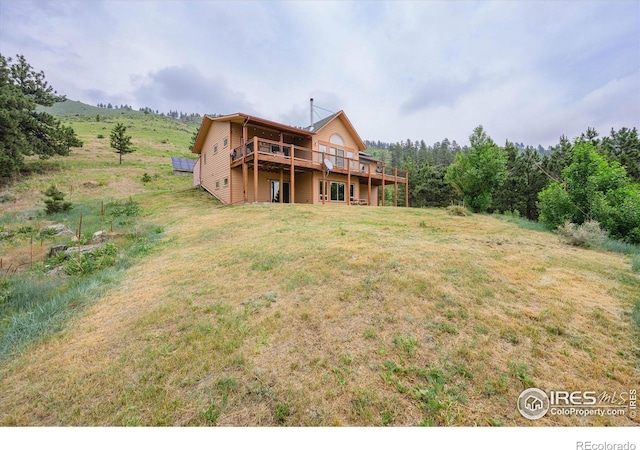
<point x="101" y="136"/>
<point x="123" y="213"/>
<point x="585" y="235"/>
<point x="89" y="262"/>
<point x="55" y="202"/>
<point x="458" y="210"/>
<point x="7" y="197"/>
<point x="146" y="178"/>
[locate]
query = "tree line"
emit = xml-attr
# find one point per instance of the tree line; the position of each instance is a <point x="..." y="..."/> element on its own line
<point x="178" y="115"/>
<point x="587" y="178"/>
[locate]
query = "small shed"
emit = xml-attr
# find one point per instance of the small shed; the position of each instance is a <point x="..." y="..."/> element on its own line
<point x="182" y="166"/>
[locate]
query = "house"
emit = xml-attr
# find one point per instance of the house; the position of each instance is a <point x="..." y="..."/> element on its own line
<point x="246" y="159"/>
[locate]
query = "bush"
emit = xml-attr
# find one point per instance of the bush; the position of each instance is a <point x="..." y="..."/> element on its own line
<point x="146" y="178"/>
<point x="89" y="262"/>
<point x="55" y="202"/>
<point x="585" y="235"/>
<point x="458" y="210"/>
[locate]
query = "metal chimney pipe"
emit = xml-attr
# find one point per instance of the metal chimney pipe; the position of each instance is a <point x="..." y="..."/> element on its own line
<point x="311" y="113"/>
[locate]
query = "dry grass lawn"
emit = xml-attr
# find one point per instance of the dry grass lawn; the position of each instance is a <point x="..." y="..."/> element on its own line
<point x="332" y="315"/>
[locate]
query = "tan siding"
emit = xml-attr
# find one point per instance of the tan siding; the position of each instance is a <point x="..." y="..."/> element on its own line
<point x="216" y="168"/>
<point x="196" y="173"/>
<point x="237" y="185"/>
<point x="304" y="187"/>
<point x="337" y="127"/>
<point x="236" y="137"/>
<point x="264" y="185"/>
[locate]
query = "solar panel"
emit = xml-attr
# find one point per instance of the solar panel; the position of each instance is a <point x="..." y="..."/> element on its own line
<point x="184" y="164"/>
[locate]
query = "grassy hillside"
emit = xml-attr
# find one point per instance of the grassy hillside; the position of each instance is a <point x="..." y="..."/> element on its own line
<point x="316" y="315"/>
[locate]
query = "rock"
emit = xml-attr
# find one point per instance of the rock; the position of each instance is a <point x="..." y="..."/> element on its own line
<point x="56" y="229"/>
<point x="59" y="270"/>
<point x="99" y="236"/>
<point x="5" y="235"/>
<point x="90" y="184"/>
<point x="57" y="249"/>
<point x="81" y="249"/>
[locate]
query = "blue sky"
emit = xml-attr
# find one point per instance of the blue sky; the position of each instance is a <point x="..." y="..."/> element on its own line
<point x="526" y="71"/>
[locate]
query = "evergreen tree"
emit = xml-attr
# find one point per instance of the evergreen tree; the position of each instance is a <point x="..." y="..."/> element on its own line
<point x="55" y="201"/>
<point x="121" y="142"/>
<point x="23" y="130"/>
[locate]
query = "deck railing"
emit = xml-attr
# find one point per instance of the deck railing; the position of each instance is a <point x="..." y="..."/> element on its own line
<point x="282" y="152"/>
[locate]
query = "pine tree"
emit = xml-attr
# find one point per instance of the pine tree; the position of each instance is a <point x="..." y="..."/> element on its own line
<point x="55" y="201"/>
<point x="23" y="130"/>
<point x="121" y="142"/>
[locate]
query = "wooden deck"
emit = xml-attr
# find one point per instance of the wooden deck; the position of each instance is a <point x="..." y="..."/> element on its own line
<point x="260" y="154"/>
<point x="275" y="156"/>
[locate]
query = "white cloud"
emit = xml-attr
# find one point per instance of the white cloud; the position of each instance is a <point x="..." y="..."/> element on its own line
<point x="527" y="71"/>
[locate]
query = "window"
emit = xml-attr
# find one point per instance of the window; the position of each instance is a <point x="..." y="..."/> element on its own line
<point x="352" y="190"/>
<point x="218" y="184"/>
<point x="215" y="149"/>
<point x="337" y="160"/>
<point x="226" y="182"/>
<point x="336" y="139"/>
<point x="225" y="142"/>
<point x="337" y="192"/>
<point x="204" y="156"/>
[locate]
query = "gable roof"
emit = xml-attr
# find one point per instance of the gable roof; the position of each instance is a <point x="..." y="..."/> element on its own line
<point x="322" y="122"/>
<point x="307" y="132"/>
<point x="340" y="115"/>
<point x="242" y="118"/>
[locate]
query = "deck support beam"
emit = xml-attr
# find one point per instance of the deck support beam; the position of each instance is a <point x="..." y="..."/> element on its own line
<point x="348" y="193"/>
<point x="406" y="190"/>
<point x="324" y="185"/>
<point x="395" y="187"/>
<point x="369" y="185"/>
<point x="245" y="171"/>
<point x="383" y="169"/>
<point x="292" y="177"/>
<point x="255" y="169"/>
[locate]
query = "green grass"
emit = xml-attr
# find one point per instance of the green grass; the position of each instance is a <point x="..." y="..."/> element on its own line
<point x="33" y="304"/>
<point x="523" y="223"/>
<point x="296" y="315"/>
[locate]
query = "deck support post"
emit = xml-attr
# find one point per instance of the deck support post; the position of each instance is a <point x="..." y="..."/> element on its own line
<point x="255" y="169"/>
<point x="324" y="185"/>
<point x="406" y="190"/>
<point x="292" y="181"/>
<point x="348" y="193"/>
<point x="245" y="174"/>
<point x="383" y="170"/>
<point x="395" y="186"/>
<point x="369" y="183"/>
<point x="282" y="186"/>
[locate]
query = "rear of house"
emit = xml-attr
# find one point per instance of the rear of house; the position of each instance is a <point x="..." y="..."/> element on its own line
<point x="245" y="159"/>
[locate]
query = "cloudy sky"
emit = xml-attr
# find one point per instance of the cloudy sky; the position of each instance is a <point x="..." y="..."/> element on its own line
<point x="527" y="71"/>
